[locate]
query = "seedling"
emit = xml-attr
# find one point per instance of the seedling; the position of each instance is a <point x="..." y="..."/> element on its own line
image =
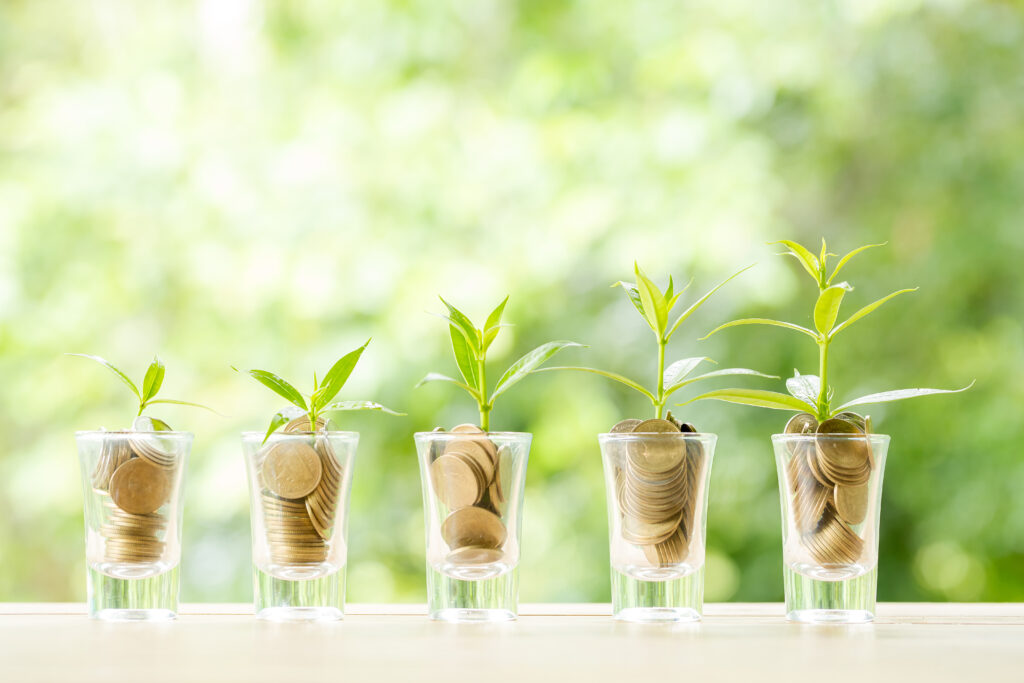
<point x="321" y="400"/>
<point x="811" y="393"/>
<point x="655" y="307"/>
<point x="470" y="345"/>
<point x="151" y="383"/>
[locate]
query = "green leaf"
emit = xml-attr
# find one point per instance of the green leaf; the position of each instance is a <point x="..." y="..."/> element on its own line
<point x="670" y="290"/>
<point x="358" y="405"/>
<point x="107" y="364"/>
<point x="681" y="368"/>
<point x="465" y="357"/>
<point x="826" y="309"/>
<point x="336" y="377"/>
<point x="716" y="373"/>
<point x="279" y="387"/>
<point x="808" y="260"/>
<point x="823" y="258"/>
<point x="763" y="321"/>
<point x="700" y="302"/>
<point x="604" y="373"/>
<point x="527" y="364"/>
<point x="804" y="387"/>
<point x="634" y="298"/>
<point x="897" y="395"/>
<point x="756" y="397"/>
<point x="843" y="261"/>
<point x="655" y="305"/>
<point x="175" y="402"/>
<point x="438" y="377"/>
<point x="463" y="323"/>
<point x="276" y="423"/>
<point x="493" y="324"/>
<point x="867" y="309"/>
<point x="154" y="379"/>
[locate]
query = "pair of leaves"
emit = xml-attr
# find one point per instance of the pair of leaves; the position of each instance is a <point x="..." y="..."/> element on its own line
<point x="674" y="379"/>
<point x="817" y="266"/>
<point x="152" y="382"/>
<point x="655" y="306"/>
<point x="470" y="345"/>
<point x="778" y="401"/>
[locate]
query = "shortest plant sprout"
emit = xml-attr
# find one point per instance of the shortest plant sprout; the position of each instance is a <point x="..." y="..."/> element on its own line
<point x="147" y="395"/>
<point x="655" y="307"/>
<point x="470" y="345"/>
<point x="811" y="395"/>
<point x="314" y="406"/>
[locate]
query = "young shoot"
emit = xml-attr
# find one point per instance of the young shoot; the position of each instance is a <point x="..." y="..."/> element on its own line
<point x="151" y="383"/>
<point x="655" y="307"/>
<point x="470" y="345"/>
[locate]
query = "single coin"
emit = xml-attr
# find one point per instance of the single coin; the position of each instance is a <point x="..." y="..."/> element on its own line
<point x="472" y="555"/>
<point x="625" y="426"/>
<point x="291" y="469"/>
<point x="455" y="481"/>
<point x="851" y="503"/>
<point x="655" y="426"/>
<point x="300" y="425"/>
<point x="140" y="487"/>
<point x="473" y="526"/>
<point x="802" y="423"/>
<point x="466" y="429"/>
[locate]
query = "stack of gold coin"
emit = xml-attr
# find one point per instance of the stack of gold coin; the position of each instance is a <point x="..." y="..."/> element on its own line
<point x="135" y="477"/>
<point x="828" y="483"/>
<point x="466" y="477"/>
<point x="301" y="488"/>
<point x="657" y="488"/>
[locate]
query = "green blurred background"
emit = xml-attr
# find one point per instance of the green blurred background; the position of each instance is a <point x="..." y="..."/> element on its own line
<point x="267" y="184"/>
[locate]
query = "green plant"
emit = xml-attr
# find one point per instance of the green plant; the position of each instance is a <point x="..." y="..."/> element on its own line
<point x="321" y="400"/>
<point x="470" y="345"/>
<point x="811" y="393"/>
<point x="151" y="383"/>
<point x="655" y="307"/>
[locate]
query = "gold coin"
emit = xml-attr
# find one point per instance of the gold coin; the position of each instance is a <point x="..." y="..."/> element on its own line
<point x="473" y="526"/>
<point x="300" y="425"/>
<point x="802" y="423"/>
<point x="472" y="555"/>
<point x="466" y="428"/>
<point x="624" y="426"/>
<point x="474" y="450"/>
<point x="851" y="503"/>
<point x="291" y="469"/>
<point x="456" y="481"/>
<point x="140" y="487"/>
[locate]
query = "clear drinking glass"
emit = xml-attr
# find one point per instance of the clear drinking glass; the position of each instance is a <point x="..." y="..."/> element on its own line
<point x="657" y="491"/>
<point x="132" y="489"/>
<point x="473" y="502"/>
<point x="831" y="490"/>
<point x="299" y="487"/>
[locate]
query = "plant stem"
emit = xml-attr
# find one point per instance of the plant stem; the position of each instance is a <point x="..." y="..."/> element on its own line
<point x="823" y="376"/>
<point x="659" y="407"/>
<point x="484" y="404"/>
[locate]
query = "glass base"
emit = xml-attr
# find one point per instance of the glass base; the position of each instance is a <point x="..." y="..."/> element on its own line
<point x="481" y="600"/>
<point x="678" y="599"/>
<point x="153" y="598"/>
<point x="847" y="601"/>
<point x="314" y="599"/>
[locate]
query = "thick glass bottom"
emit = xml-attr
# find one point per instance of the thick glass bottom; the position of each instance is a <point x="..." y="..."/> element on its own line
<point x="153" y="598"/>
<point x="321" y="598"/>
<point x="814" y="601"/>
<point x="458" y="600"/>
<point x="675" y="599"/>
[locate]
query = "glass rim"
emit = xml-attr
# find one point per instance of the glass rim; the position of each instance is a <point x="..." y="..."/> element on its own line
<point x="453" y="435"/>
<point x="810" y="438"/>
<point x="637" y="436"/>
<point x="334" y="433"/>
<point x="100" y="433"/>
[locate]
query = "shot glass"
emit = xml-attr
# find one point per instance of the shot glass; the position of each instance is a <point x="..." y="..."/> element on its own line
<point x="657" y="491"/>
<point x="473" y="503"/>
<point x="299" y="487"/>
<point x="132" y="490"/>
<point x="831" y="490"/>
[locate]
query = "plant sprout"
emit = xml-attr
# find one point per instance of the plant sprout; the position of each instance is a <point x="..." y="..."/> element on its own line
<point x="811" y="393"/>
<point x="655" y="307"/>
<point x="470" y="345"/>
<point x="151" y="383"/>
<point x="321" y="400"/>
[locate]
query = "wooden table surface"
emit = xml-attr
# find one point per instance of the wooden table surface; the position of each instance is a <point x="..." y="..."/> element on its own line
<point x="909" y="642"/>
